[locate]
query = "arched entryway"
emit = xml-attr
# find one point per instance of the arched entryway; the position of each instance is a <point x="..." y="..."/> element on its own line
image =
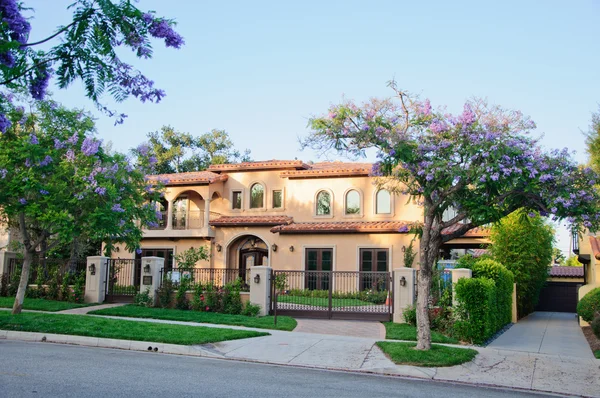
<point x="246" y="252"/>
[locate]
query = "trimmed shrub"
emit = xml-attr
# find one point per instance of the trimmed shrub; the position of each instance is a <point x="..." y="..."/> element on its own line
<point x="143" y="299"/>
<point x="596" y="326"/>
<point x="589" y="305"/>
<point x="410" y="315"/>
<point x="165" y="291"/>
<point x="251" y="310"/>
<point x="475" y="310"/>
<point x="504" y="279"/>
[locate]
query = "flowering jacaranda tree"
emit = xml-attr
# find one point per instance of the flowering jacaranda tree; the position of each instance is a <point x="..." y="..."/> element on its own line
<point x="481" y="163"/>
<point x="86" y="50"/>
<point x="58" y="184"/>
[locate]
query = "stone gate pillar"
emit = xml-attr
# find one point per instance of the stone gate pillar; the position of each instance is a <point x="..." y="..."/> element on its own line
<point x="404" y="291"/>
<point x="151" y="274"/>
<point x="260" y="288"/>
<point x="95" y="279"/>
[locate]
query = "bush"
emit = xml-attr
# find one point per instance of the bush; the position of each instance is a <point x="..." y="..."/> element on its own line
<point x="589" y="305"/>
<point x="78" y="293"/>
<point x="596" y="325"/>
<point x="251" y="309"/>
<point x="504" y="280"/>
<point x="475" y="310"/>
<point x="53" y="292"/>
<point x="65" y="290"/>
<point x="181" y="301"/>
<point x="4" y="285"/>
<point x="13" y="285"/>
<point x="143" y="299"/>
<point x="232" y="302"/>
<point x="165" y="293"/>
<point x="410" y="315"/>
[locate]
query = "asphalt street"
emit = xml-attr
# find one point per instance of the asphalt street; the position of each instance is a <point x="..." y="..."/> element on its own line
<point x="53" y="370"/>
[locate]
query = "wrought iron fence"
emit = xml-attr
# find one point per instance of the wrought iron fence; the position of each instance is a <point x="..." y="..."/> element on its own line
<point x="440" y="287"/>
<point x="123" y="277"/>
<point x="46" y="269"/>
<point x="218" y="277"/>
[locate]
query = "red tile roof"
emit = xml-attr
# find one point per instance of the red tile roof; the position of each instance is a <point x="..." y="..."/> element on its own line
<point x="567" y="272"/>
<point x="479" y="232"/>
<point x="595" y="246"/>
<point x="262" y="165"/>
<point x="343" y="227"/>
<point x="331" y="169"/>
<point x="239" y="221"/>
<point x="189" y="178"/>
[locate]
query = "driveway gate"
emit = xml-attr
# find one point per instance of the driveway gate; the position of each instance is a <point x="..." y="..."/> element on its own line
<point x="332" y="294"/>
<point x="122" y="279"/>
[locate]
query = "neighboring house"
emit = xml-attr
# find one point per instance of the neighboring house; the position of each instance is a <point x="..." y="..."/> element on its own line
<point x="560" y="292"/>
<point x="587" y="248"/>
<point x="290" y="215"/>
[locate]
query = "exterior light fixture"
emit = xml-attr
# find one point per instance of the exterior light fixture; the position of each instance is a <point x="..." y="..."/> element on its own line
<point x="219" y="247"/>
<point x="291" y="248"/>
<point x="92" y="269"/>
<point x="403" y="249"/>
<point x="274" y="247"/>
<point x="257" y="279"/>
<point x="147" y="268"/>
<point x="403" y="281"/>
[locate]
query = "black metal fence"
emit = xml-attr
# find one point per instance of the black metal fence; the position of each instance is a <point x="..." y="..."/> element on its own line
<point x="44" y="270"/>
<point x="440" y="288"/>
<point x="332" y="294"/>
<point x="123" y="278"/>
<point x="218" y="277"/>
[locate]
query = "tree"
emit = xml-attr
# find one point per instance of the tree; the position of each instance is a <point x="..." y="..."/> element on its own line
<point x="523" y="244"/>
<point x="572" y="261"/>
<point x="481" y="163"/>
<point x="58" y="184"/>
<point x="592" y="142"/>
<point x="558" y="256"/>
<point x="87" y="51"/>
<point x="177" y="152"/>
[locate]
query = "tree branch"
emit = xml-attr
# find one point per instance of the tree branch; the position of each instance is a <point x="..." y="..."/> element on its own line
<point x="60" y="31"/>
<point x="454" y="220"/>
<point x="34" y="66"/>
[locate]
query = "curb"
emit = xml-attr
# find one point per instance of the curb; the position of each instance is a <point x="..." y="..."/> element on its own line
<point x="197" y="351"/>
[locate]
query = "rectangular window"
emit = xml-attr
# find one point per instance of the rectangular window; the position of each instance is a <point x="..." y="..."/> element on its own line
<point x="167" y="254"/>
<point x="374" y="260"/>
<point x="236" y="200"/>
<point x="277" y="199"/>
<point x="319" y="261"/>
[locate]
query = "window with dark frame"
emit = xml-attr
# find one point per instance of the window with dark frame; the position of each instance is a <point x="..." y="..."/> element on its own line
<point x="277" y="199"/>
<point x="257" y="196"/>
<point x="323" y="205"/>
<point x="317" y="261"/>
<point x="374" y="260"/>
<point x="236" y="200"/>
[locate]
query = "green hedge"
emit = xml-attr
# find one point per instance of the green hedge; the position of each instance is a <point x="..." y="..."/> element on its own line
<point x="589" y="305"/>
<point x="484" y="301"/>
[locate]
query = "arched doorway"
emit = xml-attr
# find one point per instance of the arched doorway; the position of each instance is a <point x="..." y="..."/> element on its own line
<point x="246" y="252"/>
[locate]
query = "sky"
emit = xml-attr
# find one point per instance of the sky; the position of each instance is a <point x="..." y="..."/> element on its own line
<point x="261" y="69"/>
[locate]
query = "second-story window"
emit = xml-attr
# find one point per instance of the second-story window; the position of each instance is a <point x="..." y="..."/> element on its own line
<point x="257" y="196"/>
<point x="236" y="200"/>
<point x="383" y="204"/>
<point x="277" y="199"/>
<point x="353" y="202"/>
<point x="323" y="203"/>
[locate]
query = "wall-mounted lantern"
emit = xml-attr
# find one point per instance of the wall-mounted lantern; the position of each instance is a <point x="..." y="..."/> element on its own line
<point x="219" y="248"/>
<point x="403" y="281"/>
<point x="147" y="268"/>
<point x="92" y="269"/>
<point x="291" y="248"/>
<point x="274" y="247"/>
<point x="403" y="249"/>
<point x="257" y="279"/>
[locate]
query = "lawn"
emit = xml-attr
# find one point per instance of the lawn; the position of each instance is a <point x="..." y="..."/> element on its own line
<point x="404" y="331"/>
<point x="322" y="301"/>
<point x="438" y="355"/>
<point x="264" y="322"/>
<point x="41" y="304"/>
<point x="82" y="325"/>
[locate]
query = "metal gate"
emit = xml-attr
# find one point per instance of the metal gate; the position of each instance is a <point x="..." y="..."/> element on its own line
<point x="122" y="279"/>
<point x="332" y="294"/>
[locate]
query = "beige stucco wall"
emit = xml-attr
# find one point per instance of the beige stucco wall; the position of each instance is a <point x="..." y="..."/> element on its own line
<point x="593" y="270"/>
<point x="177" y="246"/>
<point x="559" y="279"/>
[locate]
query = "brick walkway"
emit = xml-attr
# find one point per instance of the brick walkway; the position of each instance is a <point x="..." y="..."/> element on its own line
<point x="368" y="329"/>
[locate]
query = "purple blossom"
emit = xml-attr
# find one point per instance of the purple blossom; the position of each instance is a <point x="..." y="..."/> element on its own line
<point x="159" y="215"/>
<point x="152" y="224"/>
<point x="58" y="144"/>
<point x="90" y="146"/>
<point x="468" y="116"/>
<point x="39" y="84"/>
<point x="23" y="201"/>
<point x="495" y="177"/>
<point x="3" y="173"/>
<point x="121" y="222"/>
<point x="74" y="139"/>
<point x="70" y="155"/>
<point x="7" y="59"/>
<point x="47" y="160"/>
<point x="438" y="126"/>
<point x="28" y="162"/>
<point x="4" y="123"/>
<point x="117" y="207"/>
<point x="100" y="190"/>
<point x="531" y="214"/>
<point x="138" y="250"/>
<point x="425" y="108"/>
<point x="148" y="18"/>
<point x="17" y="25"/>
<point x="33" y="139"/>
<point x="161" y="29"/>
<point x="44" y="192"/>
<point x="143" y="149"/>
<point x="152" y="160"/>
<point x="403" y="229"/>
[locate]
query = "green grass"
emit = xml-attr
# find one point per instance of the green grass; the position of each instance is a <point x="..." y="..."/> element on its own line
<point x="41" y="304"/>
<point x="438" y="355"/>
<point x="265" y="322"/>
<point x="82" y="325"/>
<point x="597" y="354"/>
<point x="322" y="301"/>
<point x="404" y="331"/>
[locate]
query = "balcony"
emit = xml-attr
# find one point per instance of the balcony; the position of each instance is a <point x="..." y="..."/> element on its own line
<point x="184" y="224"/>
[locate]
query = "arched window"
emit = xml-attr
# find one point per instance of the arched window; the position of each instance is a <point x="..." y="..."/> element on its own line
<point x="383" y="202"/>
<point x="323" y="203"/>
<point x="352" y="202"/>
<point x="257" y="196"/>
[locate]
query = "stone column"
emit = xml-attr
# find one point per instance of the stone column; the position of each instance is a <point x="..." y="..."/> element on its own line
<point x="404" y="291"/>
<point x="5" y="258"/>
<point x="458" y="273"/>
<point x="95" y="279"/>
<point x="260" y="293"/>
<point x="169" y="215"/>
<point x="206" y="213"/>
<point x="151" y="267"/>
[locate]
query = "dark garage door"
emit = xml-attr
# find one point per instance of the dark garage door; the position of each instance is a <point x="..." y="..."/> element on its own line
<point x="559" y="297"/>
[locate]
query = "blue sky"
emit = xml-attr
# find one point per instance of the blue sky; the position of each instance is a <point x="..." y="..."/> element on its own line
<point x="260" y="69"/>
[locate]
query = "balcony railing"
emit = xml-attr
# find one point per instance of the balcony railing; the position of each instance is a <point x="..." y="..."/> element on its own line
<point x="188" y="219"/>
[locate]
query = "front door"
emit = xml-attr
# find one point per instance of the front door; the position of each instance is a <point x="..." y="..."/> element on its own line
<point x="250" y="258"/>
<point x="318" y="268"/>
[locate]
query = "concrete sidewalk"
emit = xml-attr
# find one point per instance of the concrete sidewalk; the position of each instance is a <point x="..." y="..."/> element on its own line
<point x="549" y="373"/>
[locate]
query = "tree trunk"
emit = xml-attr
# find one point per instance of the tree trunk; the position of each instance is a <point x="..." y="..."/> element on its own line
<point x="18" y="305"/>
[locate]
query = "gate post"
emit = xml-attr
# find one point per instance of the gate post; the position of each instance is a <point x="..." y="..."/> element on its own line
<point x="5" y="258"/>
<point x="260" y="292"/>
<point x="150" y="279"/>
<point x="95" y="279"/>
<point x="458" y="273"/>
<point x="404" y="291"/>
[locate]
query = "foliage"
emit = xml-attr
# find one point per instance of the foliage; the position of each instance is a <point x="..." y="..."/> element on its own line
<point x="42" y="304"/>
<point x="82" y="325"/>
<point x="54" y="285"/>
<point x="4" y="282"/>
<point x="593" y="142"/>
<point x="558" y="256"/>
<point x="86" y="51"/>
<point x="165" y="293"/>
<point x="410" y="255"/>
<point x="280" y="282"/>
<point x="65" y="289"/>
<point x="481" y="163"/>
<point x="143" y="299"/>
<point x="15" y="278"/>
<point x="523" y="243"/>
<point x="410" y="315"/>
<point x="369" y="295"/>
<point x="181" y="301"/>
<point x="589" y="305"/>
<point x="232" y="302"/>
<point x="504" y="283"/>
<point x="188" y="259"/>
<point x="40" y="280"/>
<point x="251" y="310"/>
<point x="572" y="261"/>
<point x="596" y="325"/>
<point x="475" y="309"/>
<point x="437" y="356"/>
<point x="77" y="296"/>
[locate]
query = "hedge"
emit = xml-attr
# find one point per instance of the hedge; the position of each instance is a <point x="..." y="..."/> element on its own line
<point x="505" y="280"/>
<point x="589" y="305"/>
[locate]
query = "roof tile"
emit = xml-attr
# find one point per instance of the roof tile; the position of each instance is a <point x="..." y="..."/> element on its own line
<point x="192" y="177"/>
<point x="238" y="221"/>
<point x="343" y="227"/>
<point x="567" y="272"/>
<point x="261" y="165"/>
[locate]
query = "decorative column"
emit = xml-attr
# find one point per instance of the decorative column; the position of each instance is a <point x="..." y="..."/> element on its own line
<point x="5" y="258"/>
<point x="95" y="279"/>
<point x="260" y="288"/>
<point x="151" y="275"/>
<point x="458" y="273"/>
<point x="404" y="291"/>
<point x="169" y="214"/>
<point x="206" y="212"/>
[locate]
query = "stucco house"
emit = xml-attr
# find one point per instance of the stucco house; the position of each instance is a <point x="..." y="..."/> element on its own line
<point x="289" y="215"/>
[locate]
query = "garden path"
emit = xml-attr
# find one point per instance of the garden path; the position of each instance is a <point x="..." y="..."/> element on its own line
<point x="368" y="329"/>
